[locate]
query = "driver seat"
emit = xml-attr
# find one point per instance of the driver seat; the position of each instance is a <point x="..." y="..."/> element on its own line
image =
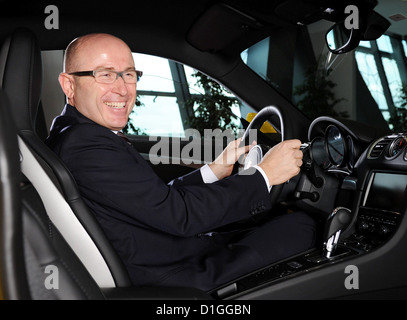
<point x="35" y="260"/>
<point x="21" y="81"/>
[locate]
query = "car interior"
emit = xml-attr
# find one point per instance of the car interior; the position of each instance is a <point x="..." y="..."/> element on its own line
<point x="254" y="55"/>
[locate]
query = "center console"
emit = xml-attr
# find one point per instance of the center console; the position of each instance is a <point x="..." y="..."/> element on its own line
<point x="377" y="219"/>
<point x="380" y="211"/>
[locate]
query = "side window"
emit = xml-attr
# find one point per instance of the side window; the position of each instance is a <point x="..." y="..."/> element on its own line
<point x="382" y="66"/>
<point x="172" y="98"/>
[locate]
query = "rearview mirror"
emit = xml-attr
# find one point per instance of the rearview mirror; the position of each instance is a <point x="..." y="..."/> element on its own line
<point x="341" y="39"/>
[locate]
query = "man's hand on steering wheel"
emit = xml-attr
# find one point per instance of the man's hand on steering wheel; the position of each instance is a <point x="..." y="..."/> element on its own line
<point x="223" y="165"/>
<point x="282" y="162"/>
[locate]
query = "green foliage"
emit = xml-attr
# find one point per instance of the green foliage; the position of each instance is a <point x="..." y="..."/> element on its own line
<point x="398" y="120"/>
<point x="316" y="96"/>
<point x="212" y="110"/>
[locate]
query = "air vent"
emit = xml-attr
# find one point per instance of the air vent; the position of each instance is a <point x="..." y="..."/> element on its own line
<point x="378" y="147"/>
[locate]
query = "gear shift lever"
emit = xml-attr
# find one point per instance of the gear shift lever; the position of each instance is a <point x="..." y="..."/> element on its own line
<point x="336" y="223"/>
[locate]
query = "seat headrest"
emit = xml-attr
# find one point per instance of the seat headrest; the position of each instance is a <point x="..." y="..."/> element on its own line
<point x="21" y="76"/>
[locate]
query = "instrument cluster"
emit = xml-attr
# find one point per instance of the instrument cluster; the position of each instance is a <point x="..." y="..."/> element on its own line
<point x="333" y="150"/>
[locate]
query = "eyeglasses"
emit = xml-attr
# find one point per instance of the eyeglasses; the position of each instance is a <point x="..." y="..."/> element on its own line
<point x="110" y="76"/>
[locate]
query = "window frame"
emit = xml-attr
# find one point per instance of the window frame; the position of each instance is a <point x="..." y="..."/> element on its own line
<point x="182" y="94"/>
<point x="398" y="55"/>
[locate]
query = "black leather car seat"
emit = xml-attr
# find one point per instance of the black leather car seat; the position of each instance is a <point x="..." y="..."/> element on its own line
<point x="12" y="273"/>
<point x="21" y="81"/>
<point x="35" y="260"/>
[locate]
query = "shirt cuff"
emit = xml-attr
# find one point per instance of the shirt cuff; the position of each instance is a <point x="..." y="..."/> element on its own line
<point x="207" y="174"/>
<point x="264" y="176"/>
<point x="209" y="177"/>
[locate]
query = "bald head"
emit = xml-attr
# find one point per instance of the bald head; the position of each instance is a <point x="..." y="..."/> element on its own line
<point x="74" y="51"/>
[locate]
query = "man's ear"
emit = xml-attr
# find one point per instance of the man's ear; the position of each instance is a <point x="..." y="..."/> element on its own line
<point x="67" y="84"/>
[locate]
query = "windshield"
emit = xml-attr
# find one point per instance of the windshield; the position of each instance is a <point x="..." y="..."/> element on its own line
<point x="367" y="85"/>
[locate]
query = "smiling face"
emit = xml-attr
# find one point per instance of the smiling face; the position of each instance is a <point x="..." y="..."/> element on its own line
<point x="106" y="104"/>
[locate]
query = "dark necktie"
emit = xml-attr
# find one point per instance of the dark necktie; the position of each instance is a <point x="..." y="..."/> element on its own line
<point x="121" y="135"/>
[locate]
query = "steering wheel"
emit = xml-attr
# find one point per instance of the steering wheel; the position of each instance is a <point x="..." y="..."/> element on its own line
<point x="255" y="155"/>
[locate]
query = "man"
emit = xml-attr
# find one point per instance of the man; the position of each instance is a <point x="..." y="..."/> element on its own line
<point x="163" y="232"/>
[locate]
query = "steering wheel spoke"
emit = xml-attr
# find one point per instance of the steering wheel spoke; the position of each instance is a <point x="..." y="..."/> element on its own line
<point x="256" y="154"/>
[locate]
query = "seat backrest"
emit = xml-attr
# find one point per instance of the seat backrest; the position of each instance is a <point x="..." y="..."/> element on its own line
<point x="53" y="269"/>
<point x="35" y="260"/>
<point x="21" y="81"/>
<point x="13" y="281"/>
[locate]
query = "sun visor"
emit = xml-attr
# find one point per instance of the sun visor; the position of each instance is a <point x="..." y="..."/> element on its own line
<point x="219" y="27"/>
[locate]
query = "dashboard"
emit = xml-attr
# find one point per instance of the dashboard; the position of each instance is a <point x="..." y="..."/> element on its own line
<point x="360" y="169"/>
<point x="345" y="166"/>
<point x="339" y="164"/>
<point x="337" y="149"/>
<point x="348" y="148"/>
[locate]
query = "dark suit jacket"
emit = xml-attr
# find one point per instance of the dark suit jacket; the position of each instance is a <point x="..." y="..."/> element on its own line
<point x="153" y="226"/>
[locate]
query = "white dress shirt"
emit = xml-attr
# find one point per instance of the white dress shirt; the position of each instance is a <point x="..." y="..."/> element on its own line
<point x="208" y="176"/>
